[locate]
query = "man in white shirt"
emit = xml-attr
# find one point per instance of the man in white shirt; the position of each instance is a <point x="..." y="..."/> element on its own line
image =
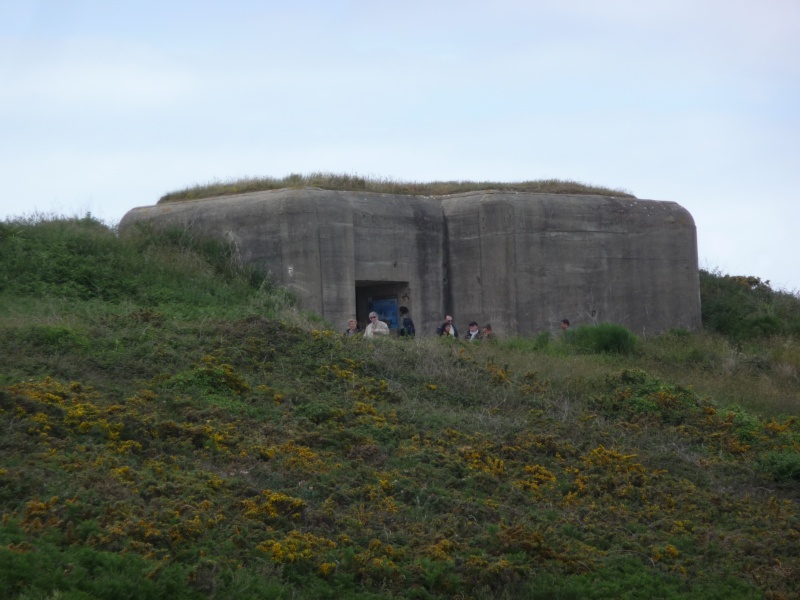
<point x="375" y="327"/>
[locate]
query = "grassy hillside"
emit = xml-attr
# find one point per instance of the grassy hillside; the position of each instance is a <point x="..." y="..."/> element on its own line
<point x="335" y="181"/>
<point x="174" y="428"/>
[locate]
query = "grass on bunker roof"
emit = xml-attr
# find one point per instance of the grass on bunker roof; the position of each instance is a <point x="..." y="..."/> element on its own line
<point x="344" y="182"/>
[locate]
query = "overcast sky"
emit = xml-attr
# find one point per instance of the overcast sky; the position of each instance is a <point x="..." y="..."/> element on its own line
<point x="108" y="105"/>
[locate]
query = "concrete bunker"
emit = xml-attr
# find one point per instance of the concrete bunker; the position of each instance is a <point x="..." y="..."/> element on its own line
<point x="522" y="261"/>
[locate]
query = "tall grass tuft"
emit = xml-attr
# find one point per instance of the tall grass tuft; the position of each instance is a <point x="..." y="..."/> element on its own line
<point x="608" y="338"/>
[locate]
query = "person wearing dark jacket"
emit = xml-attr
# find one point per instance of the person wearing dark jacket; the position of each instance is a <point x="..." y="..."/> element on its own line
<point x="406" y="324"/>
<point x="473" y="333"/>
<point x="352" y="328"/>
<point x="453" y="331"/>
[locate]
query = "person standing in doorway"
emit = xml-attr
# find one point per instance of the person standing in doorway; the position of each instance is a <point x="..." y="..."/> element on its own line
<point x="375" y="328"/>
<point x="406" y="324"/>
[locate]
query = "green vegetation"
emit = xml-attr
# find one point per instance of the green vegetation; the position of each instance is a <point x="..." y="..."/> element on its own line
<point x="608" y="338"/>
<point x="333" y="181"/>
<point x="173" y="428"/>
<point x="746" y="308"/>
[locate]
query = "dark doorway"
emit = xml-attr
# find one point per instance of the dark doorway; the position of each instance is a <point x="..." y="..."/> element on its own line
<point x="384" y="297"/>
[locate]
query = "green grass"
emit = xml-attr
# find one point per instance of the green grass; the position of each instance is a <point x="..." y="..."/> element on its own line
<point x="343" y="182"/>
<point x="172" y="426"/>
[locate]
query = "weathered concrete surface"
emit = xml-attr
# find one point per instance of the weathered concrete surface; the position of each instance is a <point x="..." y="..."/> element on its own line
<point x="321" y="244"/>
<point x="520" y="261"/>
<point x="525" y="261"/>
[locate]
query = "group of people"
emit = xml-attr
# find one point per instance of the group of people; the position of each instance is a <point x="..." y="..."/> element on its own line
<point x="475" y="332"/>
<point x="377" y="328"/>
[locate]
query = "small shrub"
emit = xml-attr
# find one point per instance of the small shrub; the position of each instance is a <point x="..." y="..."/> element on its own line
<point x="762" y="326"/>
<point x="782" y="465"/>
<point x="55" y="337"/>
<point x="605" y="338"/>
<point x="541" y="341"/>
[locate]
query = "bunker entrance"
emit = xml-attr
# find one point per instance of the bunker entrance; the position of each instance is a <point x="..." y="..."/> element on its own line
<point x="384" y="297"/>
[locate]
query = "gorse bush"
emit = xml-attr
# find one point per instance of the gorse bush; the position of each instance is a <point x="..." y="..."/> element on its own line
<point x="172" y="434"/>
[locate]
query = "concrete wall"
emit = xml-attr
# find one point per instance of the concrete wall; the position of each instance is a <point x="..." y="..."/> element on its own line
<point x="519" y="261"/>
<point x="319" y="244"/>
<point x="525" y="261"/>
